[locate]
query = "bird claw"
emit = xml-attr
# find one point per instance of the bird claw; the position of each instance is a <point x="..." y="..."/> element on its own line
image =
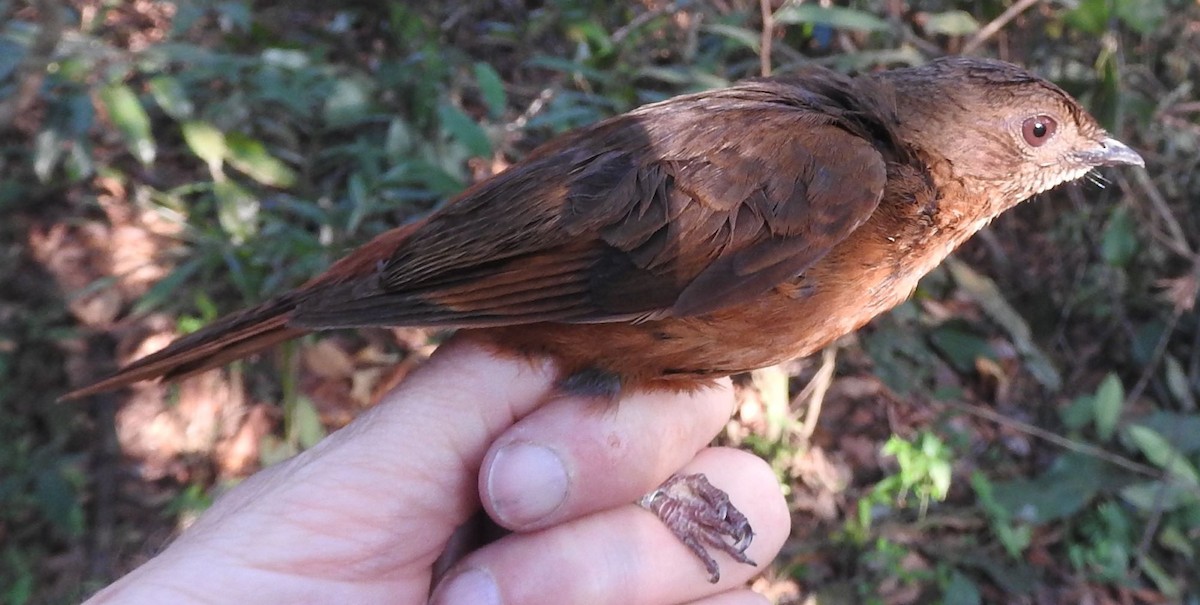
<point x="702" y="517"/>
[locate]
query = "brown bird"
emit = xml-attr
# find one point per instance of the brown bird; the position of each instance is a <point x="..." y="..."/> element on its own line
<point x="702" y="236"/>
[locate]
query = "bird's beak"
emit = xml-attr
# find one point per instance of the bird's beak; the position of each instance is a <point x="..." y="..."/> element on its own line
<point x="1112" y="153"/>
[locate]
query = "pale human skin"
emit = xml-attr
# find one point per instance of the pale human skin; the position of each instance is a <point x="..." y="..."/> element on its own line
<point x="362" y="517"/>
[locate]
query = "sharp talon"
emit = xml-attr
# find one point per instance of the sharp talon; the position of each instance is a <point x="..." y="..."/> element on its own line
<point x="702" y="517"/>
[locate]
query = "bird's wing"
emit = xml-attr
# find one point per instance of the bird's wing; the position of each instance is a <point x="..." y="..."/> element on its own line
<point x="677" y="209"/>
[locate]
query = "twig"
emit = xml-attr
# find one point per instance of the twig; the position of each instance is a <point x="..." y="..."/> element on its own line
<point x="1158" y="508"/>
<point x="1178" y="241"/>
<point x="1189" y="107"/>
<point x="1160" y="349"/>
<point x="1059" y="440"/>
<point x="535" y="107"/>
<point x="1160" y="494"/>
<point x="894" y="10"/>
<point x="1194" y="364"/>
<point x="645" y="17"/>
<point x="996" y="25"/>
<point x="814" y="392"/>
<point x="768" y="34"/>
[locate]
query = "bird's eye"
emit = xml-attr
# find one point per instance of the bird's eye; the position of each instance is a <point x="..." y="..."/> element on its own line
<point x="1038" y="129"/>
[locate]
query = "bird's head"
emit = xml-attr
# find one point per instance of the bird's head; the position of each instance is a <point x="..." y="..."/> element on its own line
<point x="999" y="127"/>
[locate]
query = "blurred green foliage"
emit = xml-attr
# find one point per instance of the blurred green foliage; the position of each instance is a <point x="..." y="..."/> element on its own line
<point x="275" y="136"/>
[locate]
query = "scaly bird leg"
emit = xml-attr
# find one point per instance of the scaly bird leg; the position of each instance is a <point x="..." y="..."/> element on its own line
<point x="698" y="513"/>
<point x="702" y="517"/>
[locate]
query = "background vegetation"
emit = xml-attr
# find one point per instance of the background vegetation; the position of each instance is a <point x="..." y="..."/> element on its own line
<point x="1024" y="430"/>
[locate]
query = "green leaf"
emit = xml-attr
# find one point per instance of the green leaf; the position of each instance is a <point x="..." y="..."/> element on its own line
<point x="235" y="14"/>
<point x="744" y="36"/>
<point x="1155" y="496"/>
<point x="251" y="157"/>
<point x="273" y="450"/>
<point x="349" y="102"/>
<point x="1182" y="430"/>
<point x="237" y="210"/>
<point x="166" y="287"/>
<point x="594" y="35"/>
<point x="1090" y="16"/>
<point x="48" y="146"/>
<point x="925" y="466"/>
<point x="360" y="201"/>
<point x="985" y="291"/>
<point x="951" y="23"/>
<point x="304" y="423"/>
<point x="567" y="66"/>
<point x="903" y="360"/>
<point x="1177" y="383"/>
<point x="1161" y="577"/>
<point x="130" y="118"/>
<point x="1158" y="450"/>
<point x="961" y="348"/>
<point x="463" y="129"/>
<point x="834" y="16"/>
<point x="1079" y="412"/>
<point x="960" y="590"/>
<point x="1120" y="238"/>
<point x="74" y="115"/>
<point x="21" y="590"/>
<point x="206" y="142"/>
<point x="677" y="75"/>
<point x="1064" y="489"/>
<point x="78" y="163"/>
<point x="491" y="87"/>
<point x="1143" y="16"/>
<point x="399" y="139"/>
<point x="171" y="97"/>
<point x="285" y="58"/>
<point x="57" y="499"/>
<point x="1173" y="538"/>
<point x="1106" y="406"/>
<point x="11" y="54"/>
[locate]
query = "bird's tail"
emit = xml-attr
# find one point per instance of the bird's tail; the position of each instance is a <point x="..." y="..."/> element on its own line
<point x="240" y="334"/>
<point x="229" y="338"/>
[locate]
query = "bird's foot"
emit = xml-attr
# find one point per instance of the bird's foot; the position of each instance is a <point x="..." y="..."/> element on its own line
<point x="702" y="517"/>
<point x="592" y="383"/>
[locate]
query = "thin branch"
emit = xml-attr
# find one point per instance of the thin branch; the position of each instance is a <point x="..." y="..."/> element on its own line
<point x="535" y="107"/>
<point x="815" y="392"/>
<point x="1156" y="357"/>
<point x="646" y="17"/>
<point x="1178" y="241"/>
<point x="768" y="34"/>
<point x="1063" y="442"/>
<point x="989" y="30"/>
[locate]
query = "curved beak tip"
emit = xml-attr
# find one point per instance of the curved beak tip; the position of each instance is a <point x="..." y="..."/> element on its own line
<point x="1115" y="153"/>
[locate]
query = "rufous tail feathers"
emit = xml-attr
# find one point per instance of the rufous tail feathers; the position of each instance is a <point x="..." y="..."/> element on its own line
<point x="240" y="334"/>
<point x="229" y="338"/>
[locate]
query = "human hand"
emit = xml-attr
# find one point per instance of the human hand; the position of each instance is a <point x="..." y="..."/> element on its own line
<point x="363" y="516"/>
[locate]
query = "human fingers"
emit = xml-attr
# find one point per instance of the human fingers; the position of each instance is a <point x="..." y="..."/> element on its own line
<point x="388" y="490"/>
<point x="625" y="554"/>
<point x="574" y="456"/>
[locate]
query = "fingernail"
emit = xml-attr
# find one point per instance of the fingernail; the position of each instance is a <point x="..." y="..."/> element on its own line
<point x="473" y="586"/>
<point x="525" y="483"/>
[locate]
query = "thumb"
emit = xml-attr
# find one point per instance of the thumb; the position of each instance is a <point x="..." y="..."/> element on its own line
<point x="408" y="466"/>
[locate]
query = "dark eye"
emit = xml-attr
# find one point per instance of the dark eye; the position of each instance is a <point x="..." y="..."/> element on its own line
<point x="1038" y="129"/>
